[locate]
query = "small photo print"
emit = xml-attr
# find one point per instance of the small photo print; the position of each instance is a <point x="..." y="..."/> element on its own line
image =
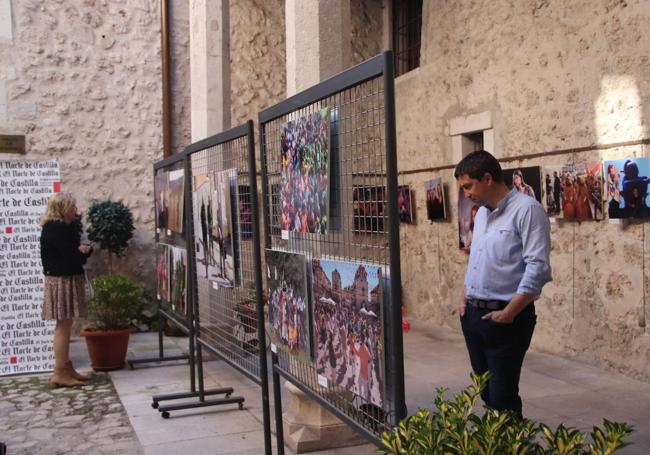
<point x="435" y="194"/>
<point x="626" y="186"/>
<point x="404" y="204"/>
<point x="526" y="180"/>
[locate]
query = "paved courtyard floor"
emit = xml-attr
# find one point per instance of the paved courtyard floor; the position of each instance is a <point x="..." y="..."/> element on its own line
<point x="113" y="415"/>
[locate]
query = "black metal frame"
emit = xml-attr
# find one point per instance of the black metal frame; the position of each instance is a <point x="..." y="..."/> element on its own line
<point x="379" y="66"/>
<point x="245" y="130"/>
<point x="161" y="313"/>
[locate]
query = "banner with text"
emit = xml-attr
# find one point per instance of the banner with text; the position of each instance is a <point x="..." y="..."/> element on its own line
<point x="25" y="339"/>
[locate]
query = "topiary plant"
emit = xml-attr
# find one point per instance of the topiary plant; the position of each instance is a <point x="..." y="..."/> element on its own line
<point x="455" y="429"/>
<point x="117" y="300"/>
<point x="110" y="224"/>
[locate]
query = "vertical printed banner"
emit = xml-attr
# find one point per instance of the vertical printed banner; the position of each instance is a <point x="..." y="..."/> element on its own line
<point x="25" y="339"/>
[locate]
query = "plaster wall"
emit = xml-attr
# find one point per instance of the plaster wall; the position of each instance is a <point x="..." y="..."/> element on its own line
<point x="554" y="76"/>
<point x="82" y="83"/>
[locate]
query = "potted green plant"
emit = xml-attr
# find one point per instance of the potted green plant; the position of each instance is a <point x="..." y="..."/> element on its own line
<point x="117" y="299"/>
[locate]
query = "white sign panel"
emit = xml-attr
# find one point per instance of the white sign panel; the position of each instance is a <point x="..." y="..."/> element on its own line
<point x="6" y="32"/>
<point x="25" y="339"/>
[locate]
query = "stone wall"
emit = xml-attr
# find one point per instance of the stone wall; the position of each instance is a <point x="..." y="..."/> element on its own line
<point x="554" y="76"/>
<point x="82" y="83"/>
<point x="257" y="57"/>
<point x="366" y="37"/>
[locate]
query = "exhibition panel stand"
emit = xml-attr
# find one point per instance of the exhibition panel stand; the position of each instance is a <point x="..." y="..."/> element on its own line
<point x="331" y="237"/>
<point x="225" y="255"/>
<point x="169" y="185"/>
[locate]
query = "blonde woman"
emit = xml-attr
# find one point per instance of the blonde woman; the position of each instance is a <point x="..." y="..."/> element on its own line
<point x="64" y="299"/>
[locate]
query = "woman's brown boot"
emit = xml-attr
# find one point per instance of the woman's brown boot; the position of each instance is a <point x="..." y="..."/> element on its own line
<point x="75" y="374"/>
<point x="63" y="378"/>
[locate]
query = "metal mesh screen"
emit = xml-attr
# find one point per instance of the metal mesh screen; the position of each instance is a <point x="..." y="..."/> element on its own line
<point x="224" y="269"/>
<point x="357" y="232"/>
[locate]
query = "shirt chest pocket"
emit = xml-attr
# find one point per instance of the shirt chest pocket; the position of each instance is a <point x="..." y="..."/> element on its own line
<point x="504" y="245"/>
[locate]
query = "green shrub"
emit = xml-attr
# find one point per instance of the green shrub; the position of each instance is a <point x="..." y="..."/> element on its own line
<point x="116" y="302"/>
<point x="455" y="429"/>
<point x="111" y="225"/>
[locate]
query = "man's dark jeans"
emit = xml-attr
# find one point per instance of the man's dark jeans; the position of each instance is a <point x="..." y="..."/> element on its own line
<point x="500" y="349"/>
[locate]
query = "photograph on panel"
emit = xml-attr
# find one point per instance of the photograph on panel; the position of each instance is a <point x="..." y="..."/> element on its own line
<point x="162" y="272"/>
<point x="202" y="213"/>
<point x="304" y="173"/>
<point x="526" y="180"/>
<point x="368" y="205"/>
<point x="245" y="211"/>
<point x="286" y="275"/>
<point x="404" y="204"/>
<point x="176" y="200"/>
<point x="178" y="280"/>
<point x="435" y="195"/>
<point x="627" y="187"/>
<point x="348" y="326"/>
<point x="574" y="192"/>
<point x="161" y="203"/>
<point x="467" y="210"/>
<point x="220" y="229"/>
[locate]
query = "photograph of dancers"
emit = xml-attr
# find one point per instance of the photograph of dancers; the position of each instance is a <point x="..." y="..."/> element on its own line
<point x="220" y="228"/>
<point x="348" y="326"/>
<point x="304" y="173"/>
<point x="286" y="275"/>
<point x="627" y="187"/>
<point x="574" y="192"/>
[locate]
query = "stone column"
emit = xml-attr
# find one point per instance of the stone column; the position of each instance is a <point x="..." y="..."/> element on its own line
<point x="318" y="46"/>
<point x="318" y="41"/>
<point x="209" y="67"/>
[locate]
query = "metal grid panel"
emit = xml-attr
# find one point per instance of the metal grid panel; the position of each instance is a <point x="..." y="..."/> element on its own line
<point x="358" y="224"/>
<point x="227" y="314"/>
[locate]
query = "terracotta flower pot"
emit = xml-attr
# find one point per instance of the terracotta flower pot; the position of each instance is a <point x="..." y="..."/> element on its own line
<point x="107" y="349"/>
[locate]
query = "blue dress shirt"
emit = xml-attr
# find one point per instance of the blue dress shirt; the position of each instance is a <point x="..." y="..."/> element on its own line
<point x="510" y="250"/>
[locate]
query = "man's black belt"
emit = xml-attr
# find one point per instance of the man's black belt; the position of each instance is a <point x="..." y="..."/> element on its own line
<point x="488" y="304"/>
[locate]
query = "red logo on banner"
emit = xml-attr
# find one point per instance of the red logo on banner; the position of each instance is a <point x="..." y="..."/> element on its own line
<point x="9" y="230"/>
<point x="13" y="360"/>
<point x="57" y="187"/>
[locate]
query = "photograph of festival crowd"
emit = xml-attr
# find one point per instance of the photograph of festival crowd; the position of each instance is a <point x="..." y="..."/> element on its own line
<point x="162" y="272"/>
<point x="574" y="192"/>
<point x="286" y="275"/>
<point x="626" y="186"/>
<point x="161" y="192"/>
<point x="176" y="200"/>
<point x="404" y="204"/>
<point x="435" y="199"/>
<point x="178" y="280"/>
<point x="368" y="204"/>
<point x="348" y="326"/>
<point x="304" y="173"/>
<point x="467" y="210"/>
<point x="526" y="180"/>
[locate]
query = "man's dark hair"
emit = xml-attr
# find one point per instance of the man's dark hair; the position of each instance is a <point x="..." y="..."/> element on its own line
<point x="477" y="164"/>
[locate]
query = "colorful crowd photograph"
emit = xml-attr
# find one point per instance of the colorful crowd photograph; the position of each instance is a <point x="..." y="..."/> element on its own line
<point x="347" y="301"/>
<point x="286" y="275"/>
<point x="304" y="173"/>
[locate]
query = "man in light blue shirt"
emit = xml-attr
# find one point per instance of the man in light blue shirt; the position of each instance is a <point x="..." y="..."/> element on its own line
<point x="507" y="268"/>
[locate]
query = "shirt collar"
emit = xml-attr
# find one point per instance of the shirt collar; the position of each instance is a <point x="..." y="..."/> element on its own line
<point x="504" y="202"/>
